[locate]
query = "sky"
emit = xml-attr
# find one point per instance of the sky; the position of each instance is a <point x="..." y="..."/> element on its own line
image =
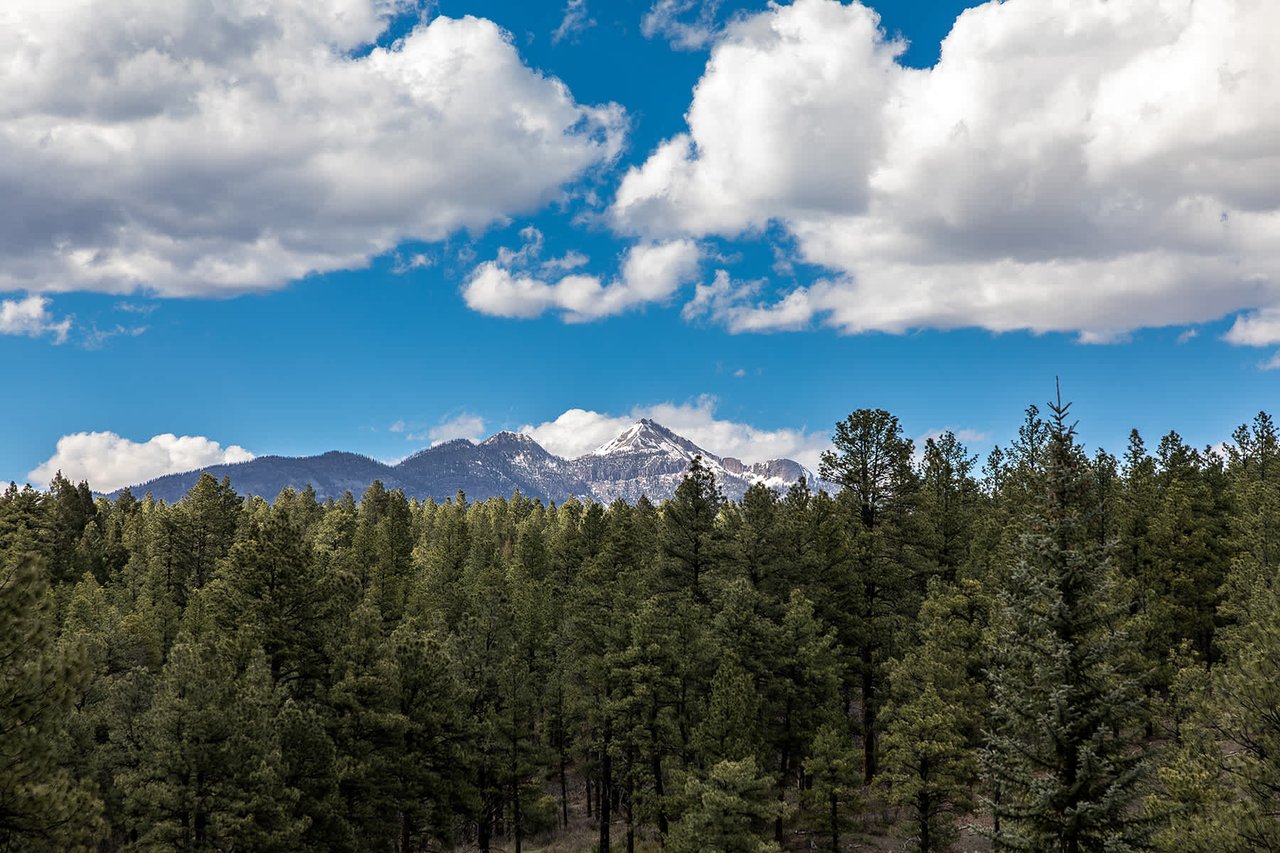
<point x="372" y="225"/>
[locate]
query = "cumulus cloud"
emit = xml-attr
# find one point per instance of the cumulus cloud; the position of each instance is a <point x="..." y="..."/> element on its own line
<point x="194" y="148"/>
<point x="1256" y="329"/>
<point x="650" y="272"/>
<point x="462" y="425"/>
<point x="737" y="306"/>
<point x="31" y="317"/>
<point x="580" y="431"/>
<point x="1080" y="166"/>
<point x="108" y="461"/>
<point x="671" y="19"/>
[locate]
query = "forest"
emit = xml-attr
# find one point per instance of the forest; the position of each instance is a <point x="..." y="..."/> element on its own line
<point x="1050" y="649"/>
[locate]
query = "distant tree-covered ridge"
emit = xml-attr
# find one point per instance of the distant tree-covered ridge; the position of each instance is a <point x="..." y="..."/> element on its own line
<point x="1046" y="650"/>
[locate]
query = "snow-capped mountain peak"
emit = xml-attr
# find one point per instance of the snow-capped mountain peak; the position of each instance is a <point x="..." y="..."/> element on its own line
<point x="646" y="459"/>
<point x="650" y="437"/>
<point x="509" y="438"/>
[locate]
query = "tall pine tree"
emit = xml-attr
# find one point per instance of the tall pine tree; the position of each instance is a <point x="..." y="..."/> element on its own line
<point x="1064" y="771"/>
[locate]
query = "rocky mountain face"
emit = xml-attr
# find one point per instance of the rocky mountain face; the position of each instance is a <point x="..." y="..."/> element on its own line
<point x="647" y="459"/>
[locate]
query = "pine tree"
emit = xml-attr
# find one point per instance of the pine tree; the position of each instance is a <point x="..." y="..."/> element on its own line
<point x="270" y="580"/>
<point x="1061" y="759"/>
<point x="692" y="546"/>
<point x="210" y="775"/>
<point x="948" y="501"/>
<point x="835" y="781"/>
<point x="725" y="809"/>
<point x="1222" y="784"/>
<point x="871" y="461"/>
<point x="42" y="807"/>
<point x="936" y="704"/>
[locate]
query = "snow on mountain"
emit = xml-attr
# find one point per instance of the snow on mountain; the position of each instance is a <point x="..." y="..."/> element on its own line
<point x="645" y="459"/>
<point x="649" y="459"/>
<point x="646" y="436"/>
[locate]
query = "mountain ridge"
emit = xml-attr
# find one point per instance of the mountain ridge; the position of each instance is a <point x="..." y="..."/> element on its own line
<point x="646" y="459"/>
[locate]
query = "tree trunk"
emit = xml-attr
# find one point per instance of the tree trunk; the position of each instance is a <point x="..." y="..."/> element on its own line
<point x="868" y="718"/>
<point x="517" y="822"/>
<point x="926" y="841"/>
<point x="835" y="823"/>
<point x="631" y="789"/>
<point x="659" y="791"/>
<point x="564" y="787"/>
<point x="606" y="785"/>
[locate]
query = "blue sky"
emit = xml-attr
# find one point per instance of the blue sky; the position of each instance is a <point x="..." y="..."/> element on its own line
<point x="389" y="268"/>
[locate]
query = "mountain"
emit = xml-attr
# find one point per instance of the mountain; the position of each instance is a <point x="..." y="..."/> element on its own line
<point x="649" y="459"/>
<point x="646" y="459"/>
<point x="500" y="465"/>
<point x="330" y="474"/>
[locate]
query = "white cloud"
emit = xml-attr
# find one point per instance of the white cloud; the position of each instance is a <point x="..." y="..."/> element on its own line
<point x="108" y="461"/>
<point x="30" y="316"/>
<point x="462" y="425"/>
<point x="411" y="263"/>
<point x="1082" y="166"/>
<point x="669" y="19"/>
<point x="966" y="436"/>
<point x="195" y="148"/>
<point x="736" y="305"/>
<point x="1272" y="363"/>
<point x="579" y="431"/>
<point x="1256" y="329"/>
<point x="650" y="272"/>
<point x="576" y="19"/>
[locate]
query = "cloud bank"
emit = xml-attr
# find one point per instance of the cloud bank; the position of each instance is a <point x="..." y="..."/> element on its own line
<point x="108" y="461"/>
<point x="192" y="148"/>
<point x="1068" y="165"/>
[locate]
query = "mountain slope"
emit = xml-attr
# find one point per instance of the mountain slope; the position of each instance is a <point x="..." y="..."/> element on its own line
<point x="646" y="459"/>
<point x="330" y="474"/>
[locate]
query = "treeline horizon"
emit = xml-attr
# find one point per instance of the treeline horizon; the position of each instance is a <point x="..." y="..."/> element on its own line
<point x="1045" y="649"/>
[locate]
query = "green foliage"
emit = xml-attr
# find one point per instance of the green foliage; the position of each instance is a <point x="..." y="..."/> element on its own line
<point x="779" y="672"/>
<point x="835" y="774"/>
<point x="1222" y="783"/>
<point x="936" y="707"/>
<point x="1062" y="762"/>
<point x="725" y="810"/>
<point x="42" y="807"/>
<point x="209" y="773"/>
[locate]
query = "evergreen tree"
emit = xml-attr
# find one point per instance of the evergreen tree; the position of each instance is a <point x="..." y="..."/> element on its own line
<point x="834" y="773"/>
<point x="1061" y="759"/>
<point x="725" y="810"/>
<point x="871" y="461"/>
<point x="691" y="544"/>
<point x="936" y="706"/>
<point x="42" y="807"/>
<point x="210" y="772"/>
<point x="1222" y="785"/>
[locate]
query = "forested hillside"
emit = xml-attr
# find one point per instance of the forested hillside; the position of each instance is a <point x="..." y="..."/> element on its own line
<point x="1045" y="650"/>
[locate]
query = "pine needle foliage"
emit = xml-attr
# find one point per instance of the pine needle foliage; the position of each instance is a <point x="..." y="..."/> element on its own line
<point x="1062" y="757"/>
